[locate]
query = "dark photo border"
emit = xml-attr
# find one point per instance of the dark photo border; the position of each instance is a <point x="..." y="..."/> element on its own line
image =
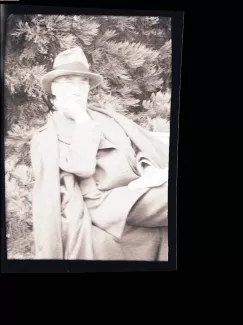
<point x="80" y="266"/>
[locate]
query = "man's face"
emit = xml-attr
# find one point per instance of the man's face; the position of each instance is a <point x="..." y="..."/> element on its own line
<point x="70" y="90"/>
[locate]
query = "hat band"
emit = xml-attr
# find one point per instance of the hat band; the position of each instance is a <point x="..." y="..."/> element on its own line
<point x="75" y="66"/>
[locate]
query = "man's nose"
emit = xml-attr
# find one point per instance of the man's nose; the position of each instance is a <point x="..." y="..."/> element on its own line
<point x="76" y="89"/>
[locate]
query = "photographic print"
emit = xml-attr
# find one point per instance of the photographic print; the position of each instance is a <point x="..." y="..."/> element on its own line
<point x="87" y="102"/>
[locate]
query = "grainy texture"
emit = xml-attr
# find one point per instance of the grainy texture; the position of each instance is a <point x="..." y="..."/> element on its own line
<point x="133" y="54"/>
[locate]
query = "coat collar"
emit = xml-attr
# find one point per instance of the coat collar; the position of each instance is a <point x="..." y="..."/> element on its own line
<point x="140" y="137"/>
<point x="133" y="131"/>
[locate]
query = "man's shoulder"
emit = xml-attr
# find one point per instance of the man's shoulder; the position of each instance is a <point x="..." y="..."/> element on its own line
<point x="113" y="114"/>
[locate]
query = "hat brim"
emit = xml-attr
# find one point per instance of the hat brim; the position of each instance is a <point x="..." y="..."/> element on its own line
<point x="94" y="79"/>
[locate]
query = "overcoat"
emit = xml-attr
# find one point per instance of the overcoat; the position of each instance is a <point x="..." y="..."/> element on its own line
<point x="80" y="208"/>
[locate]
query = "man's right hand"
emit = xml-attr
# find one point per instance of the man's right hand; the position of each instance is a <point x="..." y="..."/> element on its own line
<point x="76" y="112"/>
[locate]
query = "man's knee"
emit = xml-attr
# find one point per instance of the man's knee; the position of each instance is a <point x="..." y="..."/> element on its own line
<point x="152" y="208"/>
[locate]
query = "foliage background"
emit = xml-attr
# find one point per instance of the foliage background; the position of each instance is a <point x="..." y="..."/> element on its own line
<point x="133" y="54"/>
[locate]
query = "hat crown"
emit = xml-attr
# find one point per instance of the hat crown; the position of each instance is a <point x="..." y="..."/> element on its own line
<point x="70" y="56"/>
<point x="70" y="62"/>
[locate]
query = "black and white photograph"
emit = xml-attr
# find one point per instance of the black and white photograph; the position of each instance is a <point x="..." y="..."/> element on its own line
<point x="87" y="104"/>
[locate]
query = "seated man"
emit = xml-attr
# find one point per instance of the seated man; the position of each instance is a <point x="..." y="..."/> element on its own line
<point x="101" y="185"/>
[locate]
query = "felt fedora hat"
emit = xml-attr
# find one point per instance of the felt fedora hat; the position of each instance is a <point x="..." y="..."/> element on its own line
<point x="70" y="62"/>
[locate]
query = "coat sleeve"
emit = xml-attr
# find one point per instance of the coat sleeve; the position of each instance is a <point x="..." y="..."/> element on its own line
<point x="35" y="158"/>
<point x="46" y="198"/>
<point x="144" y="140"/>
<point x="79" y="157"/>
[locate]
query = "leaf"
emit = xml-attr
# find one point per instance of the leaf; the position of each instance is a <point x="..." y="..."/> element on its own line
<point x="86" y="32"/>
<point x="151" y="21"/>
<point x="134" y="54"/>
<point x="97" y="55"/>
<point x="67" y="41"/>
<point x="124" y="91"/>
<point x="11" y="188"/>
<point x="108" y="34"/>
<point x="159" y="124"/>
<point x="126" y="23"/>
<point x="165" y="50"/>
<point x="158" y="104"/>
<point x="10" y="164"/>
<point x="153" y="83"/>
<point x="28" y="53"/>
<point x="23" y="174"/>
<point x="130" y="101"/>
<point x="20" y="131"/>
